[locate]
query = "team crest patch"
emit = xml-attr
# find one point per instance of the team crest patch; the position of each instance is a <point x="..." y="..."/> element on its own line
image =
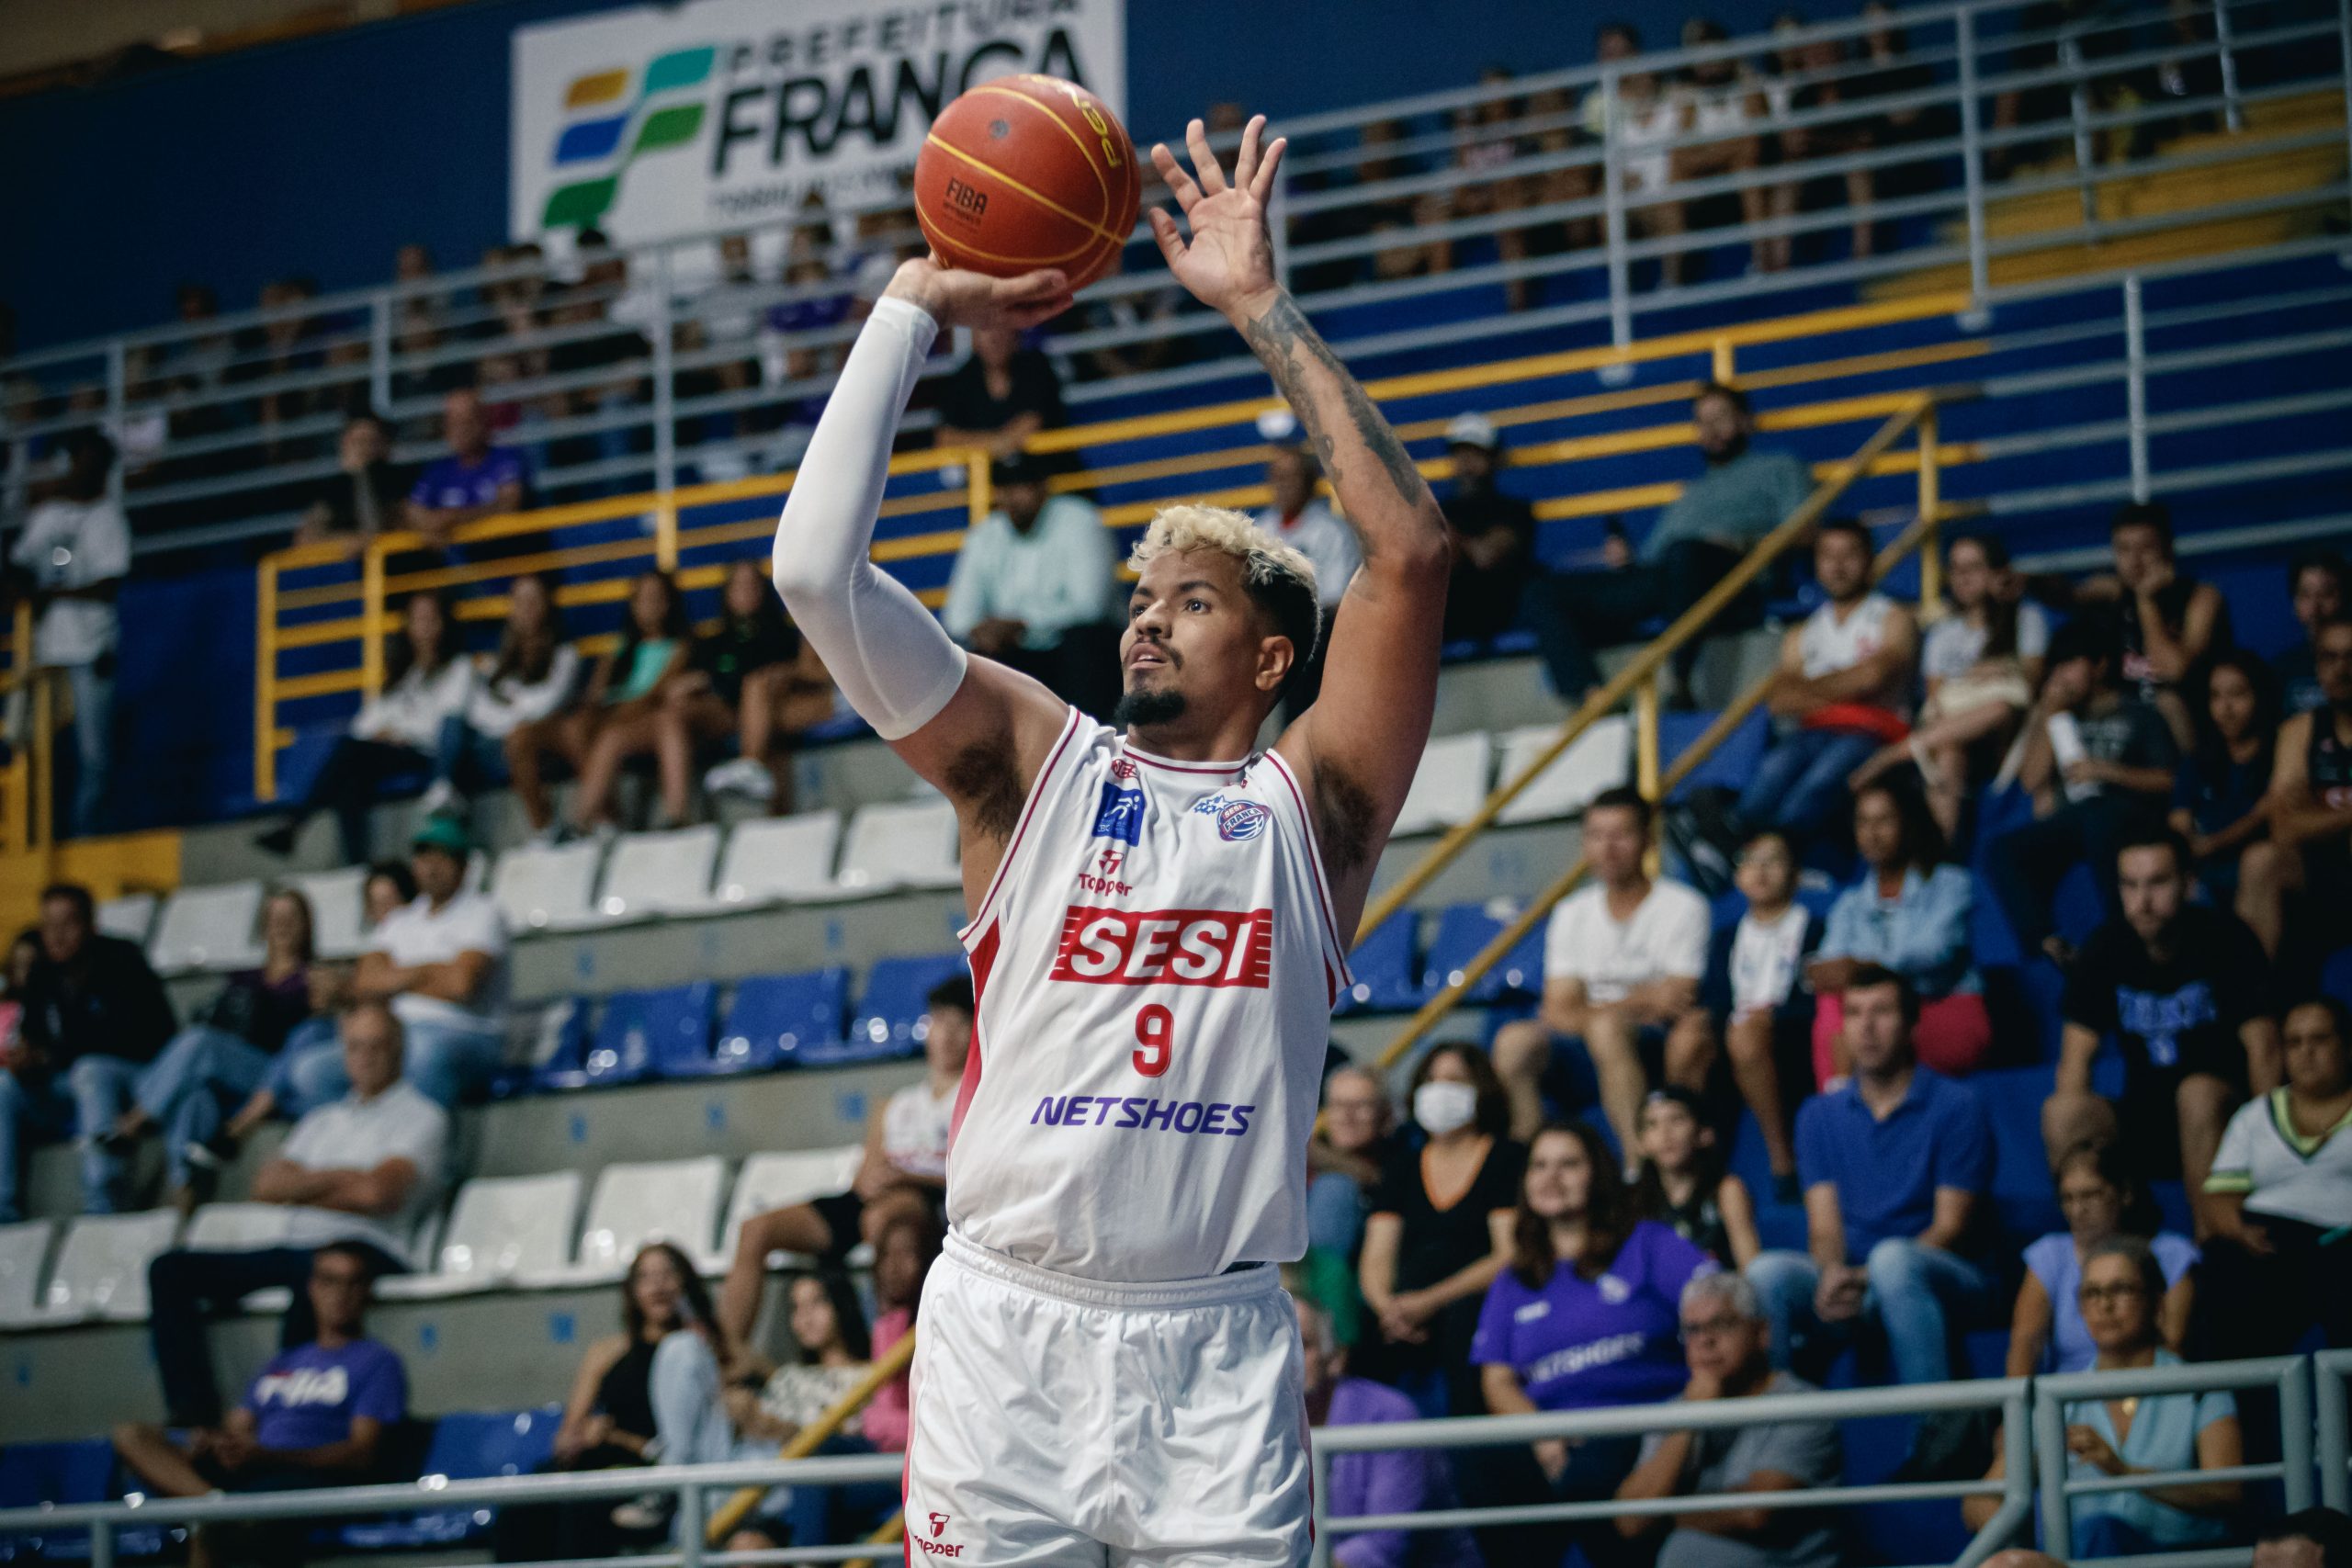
<point x="1238" y="821"/>
<point x="1120" y="815"/>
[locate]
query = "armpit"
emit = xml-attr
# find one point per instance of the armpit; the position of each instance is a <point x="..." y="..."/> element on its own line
<point x="984" y="779"/>
<point x="1344" y="815"/>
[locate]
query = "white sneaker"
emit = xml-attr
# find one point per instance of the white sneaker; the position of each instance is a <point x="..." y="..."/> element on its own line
<point x="439" y="798"/>
<point x="743" y="776"/>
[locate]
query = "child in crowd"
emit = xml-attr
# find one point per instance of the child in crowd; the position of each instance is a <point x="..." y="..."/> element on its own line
<point x="1752" y="988"/>
<point x="1683" y="1182"/>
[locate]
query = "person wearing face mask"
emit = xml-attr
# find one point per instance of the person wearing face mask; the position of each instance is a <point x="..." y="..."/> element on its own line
<point x="1439" y="1230"/>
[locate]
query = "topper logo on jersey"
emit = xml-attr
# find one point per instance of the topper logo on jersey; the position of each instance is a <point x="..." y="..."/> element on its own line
<point x="1104" y="880"/>
<point x="1120" y="815"/>
<point x="1238" y="821"/>
<point x="1165" y="947"/>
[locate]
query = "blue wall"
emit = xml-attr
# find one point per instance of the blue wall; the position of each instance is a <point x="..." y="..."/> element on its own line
<point x="323" y="156"/>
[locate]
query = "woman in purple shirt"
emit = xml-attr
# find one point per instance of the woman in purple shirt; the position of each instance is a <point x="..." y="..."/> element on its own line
<point x="1585" y="1317"/>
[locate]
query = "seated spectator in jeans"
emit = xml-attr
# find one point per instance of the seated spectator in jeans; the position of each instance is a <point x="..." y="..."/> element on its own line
<point x="1909" y="912"/>
<point x="2178" y="987"/>
<point x="765" y="679"/>
<point x="1583" y="1319"/>
<point x="1727" y="1344"/>
<point x="1622" y="959"/>
<point x="2319" y="582"/>
<point x="1494" y="535"/>
<point x="2099" y="763"/>
<point x="361" y="1173"/>
<point x="1840" y="693"/>
<point x="473" y="481"/>
<point x="1392" y="1480"/>
<point x="1034" y="587"/>
<point x="317" y="1415"/>
<point x="1743" y="495"/>
<point x="1895" y="1168"/>
<point x="225" y="1055"/>
<point x="1344" y="1158"/>
<point x="2149" y="1434"/>
<point x="617" y="716"/>
<point x="1763" y="1014"/>
<point x="903" y="1171"/>
<point x="440" y="965"/>
<point x="94" y="1016"/>
<point x="531" y="678"/>
<point x="2101" y="1200"/>
<point x="2220" y="798"/>
<point x="428" y="682"/>
<point x="1301" y="519"/>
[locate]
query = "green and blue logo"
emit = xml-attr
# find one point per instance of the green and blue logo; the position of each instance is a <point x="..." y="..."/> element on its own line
<point x="607" y="129"/>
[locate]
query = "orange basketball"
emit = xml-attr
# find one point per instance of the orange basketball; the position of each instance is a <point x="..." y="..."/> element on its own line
<point x="1025" y="172"/>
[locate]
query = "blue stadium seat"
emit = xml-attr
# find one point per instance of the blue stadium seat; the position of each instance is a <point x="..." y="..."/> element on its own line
<point x="1732" y="762"/>
<point x="1463" y="930"/>
<point x="2022" y="1196"/>
<point x="468" y="1446"/>
<point x="776" y="1019"/>
<point x="1383" y="964"/>
<point x="2335" y="975"/>
<point x="639" y="1035"/>
<point x="34" y="1474"/>
<point x="890" y="1012"/>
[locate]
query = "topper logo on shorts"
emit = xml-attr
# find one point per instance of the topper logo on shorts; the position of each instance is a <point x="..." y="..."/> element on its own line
<point x="1167" y="947"/>
<point x="1238" y="821"/>
<point x="1120" y="815"/>
<point x="932" y="1545"/>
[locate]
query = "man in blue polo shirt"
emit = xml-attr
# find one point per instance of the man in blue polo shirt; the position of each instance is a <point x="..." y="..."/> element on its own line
<point x="1895" y="1165"/>
<point x="475" y="481"/>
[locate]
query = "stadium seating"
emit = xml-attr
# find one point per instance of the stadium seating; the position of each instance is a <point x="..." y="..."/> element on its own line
<point x="654" y="873"/>
<point x="1385" y="977"/>
<point x="337" y="914"/>
<point x="641" y="1033"/>
<point x="209" y="928"/>
<point x="1463" y="932"/>
<point x="778" y="1181"/>
<point x="24" y="1254"/>
<point x="499" y="1230"/>
<point x="889" y="1020"/>
<point x="53" y="1473"/>
<point x="129" y="916"/>
<point x="464" y="1445"/>
<point x="548" y="886"/>
<point x="634" y="1203"/>
<point x="101" y="1269"/>
<point x="772" y="861"/>
<point x="1450" y="784"/>
<point x="899" y="844"/>
<point x="1602" y="758"/>
<point x="776" y="1018"/>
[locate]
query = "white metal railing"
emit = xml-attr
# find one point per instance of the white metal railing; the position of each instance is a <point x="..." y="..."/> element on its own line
<point x="675" y="369"/>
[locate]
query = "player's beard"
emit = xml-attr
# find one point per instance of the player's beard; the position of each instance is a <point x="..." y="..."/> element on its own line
<point x="1146" y="707"/>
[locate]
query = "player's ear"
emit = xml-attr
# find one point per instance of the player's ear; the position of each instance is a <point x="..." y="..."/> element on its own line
<point x="1276" y="654"/>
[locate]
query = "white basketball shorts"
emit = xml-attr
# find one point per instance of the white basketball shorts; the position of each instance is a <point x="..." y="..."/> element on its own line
<point x="1075" y="1422"/>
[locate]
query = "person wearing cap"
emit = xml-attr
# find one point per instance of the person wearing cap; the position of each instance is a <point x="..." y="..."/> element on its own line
<point x="1494" y="535"/>
<point x="1035" y="588"/>
<point x="1742" y="496"/>
<point x="439" y="964"/>
<point x="1301" y="519"/>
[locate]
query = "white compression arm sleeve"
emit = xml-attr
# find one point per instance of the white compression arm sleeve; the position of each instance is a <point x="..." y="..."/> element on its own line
<point x="883" y="649"/>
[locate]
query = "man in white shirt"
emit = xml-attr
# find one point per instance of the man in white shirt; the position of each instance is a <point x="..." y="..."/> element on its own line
<point x="1305" y="520"/>
<point x="76" y="547"/>
<point x="1622" y="959"/>
<point x="1034" y="587"/>
<point x="439" y="962"/>
<point x="362" y="1171"/>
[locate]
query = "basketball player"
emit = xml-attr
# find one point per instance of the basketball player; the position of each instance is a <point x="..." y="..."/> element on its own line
<point x="1108" y="1370"/>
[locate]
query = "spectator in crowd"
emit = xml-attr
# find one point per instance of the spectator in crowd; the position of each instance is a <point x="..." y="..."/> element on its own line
<point x="363" y="497"/>
<point x="904" y="1251"/>
<point x="1842" y="690"/>
<point x="2220" y="796"/>
<point x="225" y="1053"/>
<point x="1393" y="1481"/>
<point x="531" y="678"/>
<point x="1344" y="1158"/>
<point x="2101" y="1198"/>
<point x="1743" y="495"/>
<point x="2311" y="1538"/>
<point x="474" y="481"/>
<point x="602" y="297"/>
<point x="1651" y="111"/>
<point x="1494" y="535"/>
<point x="2168" y="623"/>
<point x="2178" y="987"/>
<point x="1582" y="1319"/>
<point x="1910" y="912"/>
<point x="833" y="1352"/>
<point x="77" y="552"/>
<point x="1033" y="588"/>
<point x="1622" y="959"/>
<point x="1727" y="1344"/>
<point x="1439" y="1229"/>
<point x="1724" y="100"/>
<point x="2319" y="584"/>
<point x="440" y="965"/>
<point x="1303" y="520"/>
<point x="2310" y="813"/>
<point x="361" y="1172"/>
<point x="1751" y="991"/>
<point x="1895" y="1168"/>
<point x="2145" y="1435"/>
<point x="2099" y="763"/>
<point x="93" y="1015"/>
<point x="903" y="1171"/>
<point x="1683" y="1183"/>
<point x="1001" y="396"/>
<point x="321" y="1414"/>
<point x="428" y="682"/>
<point x="755" y="678"/>
<point x="1980" y="663"/>
<point x="23" y="954"/>
<point x="2279" y="1197"/>
<point x="617" y="717"/>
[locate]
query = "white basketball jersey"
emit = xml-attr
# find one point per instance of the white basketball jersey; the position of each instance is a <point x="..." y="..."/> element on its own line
<point x="1155" y="966"/>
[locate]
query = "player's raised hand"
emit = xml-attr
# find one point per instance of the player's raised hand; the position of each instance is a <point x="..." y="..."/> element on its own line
<point x="954" y="298"/>
<point x="1229" y="259"/>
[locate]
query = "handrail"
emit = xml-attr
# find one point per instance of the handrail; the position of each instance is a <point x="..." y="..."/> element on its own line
<point x="813" y="1436"/>
<point x="1921" y="531"/>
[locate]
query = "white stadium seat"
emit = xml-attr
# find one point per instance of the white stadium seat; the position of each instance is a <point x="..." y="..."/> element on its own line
<point x="23" y="1249"/>
<point x="902" y="844"/>
<point x="1449" y="784"/>
<point x="129" y="916"/>
<point x="101" y="1271"/>
<point x="544" y="885"/>
<point x="773" y="860"/>
<point x="501" y="1228"/>
<point x="778" y="1181"/>
<point x="209" y="928"/>
<point x="1603" y="758"/>
<point x="674" y="1201"/>
<point x="239" y="1227"/>
<point x="652" y="874"/>
<point x="338" y="920"/>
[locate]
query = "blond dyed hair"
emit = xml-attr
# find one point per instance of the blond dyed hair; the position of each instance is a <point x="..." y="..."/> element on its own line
<point x="1266" y="561"/>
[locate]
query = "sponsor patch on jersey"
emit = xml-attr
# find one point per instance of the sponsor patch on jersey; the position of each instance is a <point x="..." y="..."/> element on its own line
<point x="1165" y="947"/>
<point x="1238" y="821"/>
<point x="1124" y="770"/>
<point x="1120" y="815"/>
<point x="1135" y="1113"/>
<point x="1102" y="879"/>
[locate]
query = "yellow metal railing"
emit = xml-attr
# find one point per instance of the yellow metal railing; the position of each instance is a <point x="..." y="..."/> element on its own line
<point x="27" y="782"/>
<point x="1639" y="679"/>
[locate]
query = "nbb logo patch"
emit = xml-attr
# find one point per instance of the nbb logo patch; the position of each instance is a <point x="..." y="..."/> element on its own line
<point x="1165" y="947"/>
